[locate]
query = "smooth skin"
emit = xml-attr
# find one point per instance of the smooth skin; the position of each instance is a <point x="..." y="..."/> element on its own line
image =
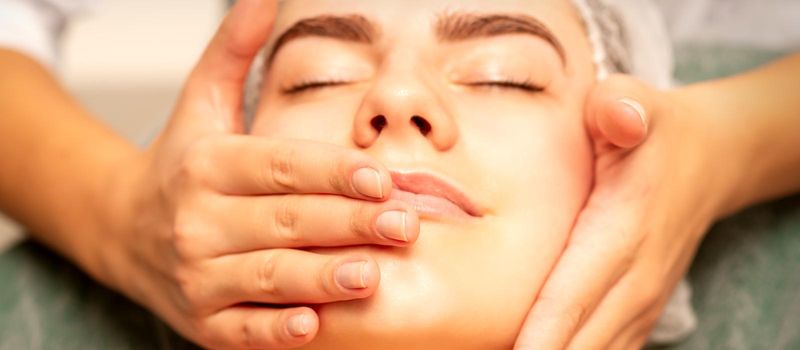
<point x="205" y="218"/>
<point x="704" y="152"/>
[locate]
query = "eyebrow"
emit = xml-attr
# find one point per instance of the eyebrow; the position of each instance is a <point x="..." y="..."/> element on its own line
<point x="465" y="26"/>
<point x="451" y="27"/>
<point x="353" y="28"/>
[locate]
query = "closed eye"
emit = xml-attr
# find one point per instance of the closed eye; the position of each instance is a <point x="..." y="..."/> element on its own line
<point x="524" y="85"/>
<point x="312" y="85"/>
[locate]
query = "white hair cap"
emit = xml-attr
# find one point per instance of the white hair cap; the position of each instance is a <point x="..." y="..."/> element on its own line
<point x="628" y="36"/>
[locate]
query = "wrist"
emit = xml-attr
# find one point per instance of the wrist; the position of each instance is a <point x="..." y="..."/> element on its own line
<point x="727" y="145"/>
<point x="114" y="200"/>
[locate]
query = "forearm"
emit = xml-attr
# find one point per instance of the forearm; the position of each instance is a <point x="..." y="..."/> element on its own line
<point x="55" y="161"/>
<point x="755" y="119"/>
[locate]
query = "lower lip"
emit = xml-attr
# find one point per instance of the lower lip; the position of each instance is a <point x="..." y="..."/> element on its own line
<point x="428" y="205"/>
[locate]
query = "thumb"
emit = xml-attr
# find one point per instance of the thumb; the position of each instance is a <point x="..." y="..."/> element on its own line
<point x="212" y="97"/>
<point x="619" y="111"/>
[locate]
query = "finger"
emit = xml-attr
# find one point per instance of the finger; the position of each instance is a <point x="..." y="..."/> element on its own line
<point x="636" y="334"/>
<point x="636" y="301"/>
<point x="295" y="221"/>
<point x="619" y="111"/>
<point x="254" y="166"/>
<point x="216" y="82"/>
<point x="287" y="276"/>
<point x="651" y="311"/>
<point x="598" y="254"/>
<point x="258" y="327"/>
<point x="625" y="303"/>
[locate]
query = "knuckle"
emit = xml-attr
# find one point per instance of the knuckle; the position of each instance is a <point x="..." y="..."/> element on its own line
<point x="249" y="333"/>
<point x="182" y="234"/>
<point x="326" y="281"/>
<point x="266" y="273"/>
<point x="569" y="315"/>
<point x="285" y="220"/>
<point x="191" y="300"/>
<point x="574" y="315"/>
<point x="281" y="173"/>
<point x="625" y="260"/>
<point x="196" y="162"/>
<point x="257" y="333"/>
<point x="361" y="221"/>
<point x="184" y="237"/>
<point x="617" y="243"/>
<point x="339" y="180"/>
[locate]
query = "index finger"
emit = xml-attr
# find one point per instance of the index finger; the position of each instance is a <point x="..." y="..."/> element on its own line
<point x="242" y="165"/>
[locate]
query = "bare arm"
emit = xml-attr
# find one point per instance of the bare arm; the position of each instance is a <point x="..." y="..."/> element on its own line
<point x="55" y="160"/>
<point x="758" y="114"/>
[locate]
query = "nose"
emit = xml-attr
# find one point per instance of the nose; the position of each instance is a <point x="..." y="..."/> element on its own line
<point x="403" y="108"/>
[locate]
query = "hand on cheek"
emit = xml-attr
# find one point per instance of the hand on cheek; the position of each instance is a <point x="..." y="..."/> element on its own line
<point x="210" y="218"/>
<point x="650" y="206"/>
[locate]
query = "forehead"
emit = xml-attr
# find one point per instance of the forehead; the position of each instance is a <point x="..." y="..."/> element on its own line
<point x="418" y="16"/>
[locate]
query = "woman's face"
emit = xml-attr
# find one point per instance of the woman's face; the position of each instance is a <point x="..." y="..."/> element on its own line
<point x="485" y="96"/>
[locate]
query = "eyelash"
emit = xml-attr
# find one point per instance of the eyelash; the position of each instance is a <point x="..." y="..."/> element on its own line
<point x="312" y="85"/>
<point x="524" y="85"/>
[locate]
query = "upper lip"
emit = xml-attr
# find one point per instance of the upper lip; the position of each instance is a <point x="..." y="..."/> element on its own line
<point x="431" y="184"/>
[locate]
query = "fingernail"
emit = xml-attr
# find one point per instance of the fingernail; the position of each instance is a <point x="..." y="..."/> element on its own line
<point x="352" y="275"/>
<point x="367" y="181"/>
<point x="636" y="108"/>
<point x="299" y="325"/>
<point x="392" y="225"/>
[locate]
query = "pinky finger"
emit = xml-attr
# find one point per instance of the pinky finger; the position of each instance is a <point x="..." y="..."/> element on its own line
<point x="258" y="327"/>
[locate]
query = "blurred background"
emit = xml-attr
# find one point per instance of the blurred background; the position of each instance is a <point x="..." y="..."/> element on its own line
<point x="126" y="60"/>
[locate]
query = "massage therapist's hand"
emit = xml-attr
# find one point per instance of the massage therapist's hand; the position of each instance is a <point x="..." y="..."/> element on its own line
<point x="661" y="177"/>
<point x="207" y="243"/>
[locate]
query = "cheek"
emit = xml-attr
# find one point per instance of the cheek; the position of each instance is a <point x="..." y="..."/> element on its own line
<point x="542" y="176"/>
<point x="329" y="122"/>
<point x="541" y="165"/>
<point x="535" y="152"/>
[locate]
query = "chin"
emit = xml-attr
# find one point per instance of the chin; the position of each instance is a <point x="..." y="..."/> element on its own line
<point x="445" y="292"/>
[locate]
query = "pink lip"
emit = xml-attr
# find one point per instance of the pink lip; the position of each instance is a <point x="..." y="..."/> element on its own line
<point x="432" y="195"/>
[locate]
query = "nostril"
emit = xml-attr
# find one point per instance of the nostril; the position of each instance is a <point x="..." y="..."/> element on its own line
<point x="422" y="124"/>
<point x="378" y="123"/>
